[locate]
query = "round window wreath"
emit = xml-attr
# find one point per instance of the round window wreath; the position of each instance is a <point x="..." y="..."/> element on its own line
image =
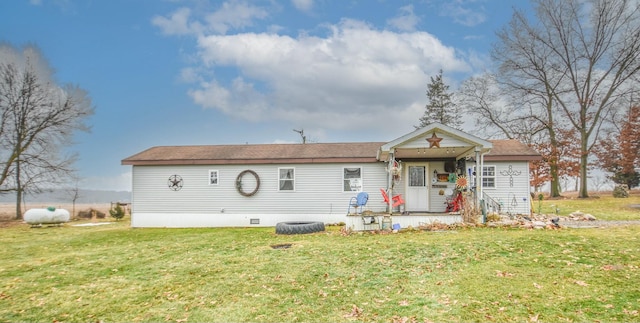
<point x="239" y="183"/>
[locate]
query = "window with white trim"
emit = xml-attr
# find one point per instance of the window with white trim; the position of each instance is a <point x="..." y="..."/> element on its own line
<point x="213" y="177"/>
<point x="286" y="179"/>
<point x="352" y="179"/>
<point x="489" y="176"/>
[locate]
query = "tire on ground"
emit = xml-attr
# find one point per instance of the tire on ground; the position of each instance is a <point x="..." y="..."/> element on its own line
<point x="299" y="227"/>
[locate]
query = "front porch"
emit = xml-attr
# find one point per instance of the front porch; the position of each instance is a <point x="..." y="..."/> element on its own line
<point x="361" y="222"/>
<point x="434" y="157"/>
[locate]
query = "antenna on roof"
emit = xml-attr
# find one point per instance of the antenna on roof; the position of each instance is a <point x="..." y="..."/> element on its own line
<point x="301" y="132"/>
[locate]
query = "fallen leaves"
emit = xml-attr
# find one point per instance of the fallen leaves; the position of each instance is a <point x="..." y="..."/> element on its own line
<point x="356" y="312"/>
<point x="500" y="273"/>
<point x="581" y="283"/>
<point x="611" y="267"/>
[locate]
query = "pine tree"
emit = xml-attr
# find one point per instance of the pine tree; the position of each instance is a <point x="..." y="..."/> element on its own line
<point x="441" y="107"/>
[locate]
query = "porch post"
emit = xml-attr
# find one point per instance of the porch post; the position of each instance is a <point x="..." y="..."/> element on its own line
<point x="392" y="159"/>
<point x="478" y="179"/>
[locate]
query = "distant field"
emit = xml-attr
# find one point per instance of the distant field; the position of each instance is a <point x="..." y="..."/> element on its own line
<point x="8" y="210"/>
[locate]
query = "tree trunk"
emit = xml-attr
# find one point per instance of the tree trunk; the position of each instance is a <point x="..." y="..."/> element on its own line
<point x="18" y="192"/>
<point x="554" y="183"/>
<point x="584" y="159"/>
<point x="19" y="205"/>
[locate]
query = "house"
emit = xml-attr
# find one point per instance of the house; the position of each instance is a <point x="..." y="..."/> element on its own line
<point x="261" y="185"/>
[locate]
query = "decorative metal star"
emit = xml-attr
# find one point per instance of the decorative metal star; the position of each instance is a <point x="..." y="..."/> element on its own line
<point x="434" y="141"/>
<point x="175" y="182"/>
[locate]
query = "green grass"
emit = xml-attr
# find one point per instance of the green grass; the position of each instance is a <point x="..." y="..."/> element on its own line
<point x="116" y="273"/>
<point x="603" y="207"/>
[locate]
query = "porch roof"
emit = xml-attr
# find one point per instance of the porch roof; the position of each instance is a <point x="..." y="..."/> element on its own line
<point x="452" y="143"/>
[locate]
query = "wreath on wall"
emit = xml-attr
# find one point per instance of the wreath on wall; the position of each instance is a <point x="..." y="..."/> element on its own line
<point x="239" y="183"/>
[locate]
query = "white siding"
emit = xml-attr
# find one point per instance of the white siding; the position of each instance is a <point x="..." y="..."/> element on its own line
<point x="318" y="195"/>
<point x="514" y="199"/>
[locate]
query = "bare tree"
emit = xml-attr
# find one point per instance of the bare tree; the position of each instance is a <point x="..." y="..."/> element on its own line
<point x="573" y="66"/>
<point x="39" y="118"/>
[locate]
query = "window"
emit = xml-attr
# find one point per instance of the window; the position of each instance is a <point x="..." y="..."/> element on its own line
<point x="286" y="179"/>
<point x="417" y="176"/>
<point x="352" y="179"/>
<point x="213" y="177"/>
<point x="489" y="176"/>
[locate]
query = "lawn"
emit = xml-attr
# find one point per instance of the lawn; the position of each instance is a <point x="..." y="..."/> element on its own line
<point x="116" y="273"/>
<point x="603" y="206"/>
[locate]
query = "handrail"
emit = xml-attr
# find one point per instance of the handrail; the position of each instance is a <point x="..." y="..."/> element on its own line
<point x="491" y="204"/>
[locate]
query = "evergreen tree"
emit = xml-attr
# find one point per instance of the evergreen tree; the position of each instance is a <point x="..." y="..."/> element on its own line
<point x="441" y="107"/>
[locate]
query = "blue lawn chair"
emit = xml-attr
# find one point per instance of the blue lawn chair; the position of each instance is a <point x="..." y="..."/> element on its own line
<point x="358" y="201"/>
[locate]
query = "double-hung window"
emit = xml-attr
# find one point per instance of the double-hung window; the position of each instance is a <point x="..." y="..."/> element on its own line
<point x="489" y="176"/>
<point x="286" y="179"/>
<point x="352" y="179"/>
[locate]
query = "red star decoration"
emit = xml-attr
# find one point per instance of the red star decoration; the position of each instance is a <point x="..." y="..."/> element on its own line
<point x="434" y="141"/>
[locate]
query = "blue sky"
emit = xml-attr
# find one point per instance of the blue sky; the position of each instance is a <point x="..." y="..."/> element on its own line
<point x="198" y="72"/>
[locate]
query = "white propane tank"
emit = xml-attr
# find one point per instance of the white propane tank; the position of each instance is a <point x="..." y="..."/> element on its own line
<point x="49" y="215"/>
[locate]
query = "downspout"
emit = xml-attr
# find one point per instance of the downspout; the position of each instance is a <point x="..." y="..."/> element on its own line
<point x="478" y="180"/>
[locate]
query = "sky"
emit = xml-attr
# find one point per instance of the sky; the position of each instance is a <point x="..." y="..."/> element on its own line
<point x="196" y="72"/>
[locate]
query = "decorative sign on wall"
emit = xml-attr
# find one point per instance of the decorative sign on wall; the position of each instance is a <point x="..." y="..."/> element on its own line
<point x="175" y="182"/>
<point x="510" y="172"/>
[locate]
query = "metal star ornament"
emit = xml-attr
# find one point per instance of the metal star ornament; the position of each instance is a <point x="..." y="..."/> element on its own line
<point x="434" y="141"/>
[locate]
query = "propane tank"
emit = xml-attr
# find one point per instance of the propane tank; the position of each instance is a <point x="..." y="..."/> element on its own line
<point x="50" y="215"/>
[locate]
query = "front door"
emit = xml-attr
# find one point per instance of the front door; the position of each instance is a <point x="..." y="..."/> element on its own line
<point x="417" y="199"/>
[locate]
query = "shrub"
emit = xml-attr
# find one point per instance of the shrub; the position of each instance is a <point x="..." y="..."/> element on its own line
<point x="620" y="191"/>
<point x="88" y="214"/>
<point x="493" y="217"/>
<point x="117" y="212"/>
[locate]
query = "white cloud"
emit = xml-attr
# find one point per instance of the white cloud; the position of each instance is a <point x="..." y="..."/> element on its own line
<point x="240" y="99"/>
<point x="234" y="15"/>
<point x="177" y="23"/>
<point x="406" y="20"/>
<point x="352" y="78"/>
<point x="463" y="14"/>
<point x="230" y="16"/>
<point x="303" y="5"/>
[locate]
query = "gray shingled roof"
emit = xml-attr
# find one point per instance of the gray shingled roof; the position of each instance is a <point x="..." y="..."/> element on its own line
<point x="294" y="153"/>
<point x="257" y="154"/>
<point x="511" y="149"/>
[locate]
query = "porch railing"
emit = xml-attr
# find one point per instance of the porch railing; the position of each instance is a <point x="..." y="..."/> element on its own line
<point x="492" y="205"/>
